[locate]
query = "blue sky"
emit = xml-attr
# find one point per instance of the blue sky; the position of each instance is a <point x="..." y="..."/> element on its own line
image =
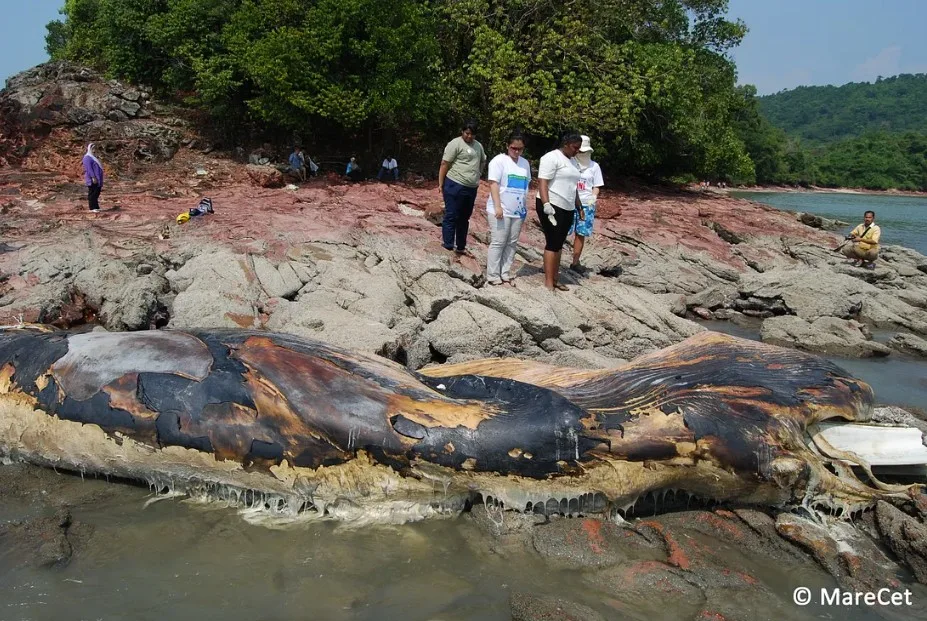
<point x="791" y="42"/>
<point x="799" y="42"/>
<point x="22" y="33"/>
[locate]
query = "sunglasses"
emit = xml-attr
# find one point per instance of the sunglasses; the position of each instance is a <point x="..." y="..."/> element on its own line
<point x="519" y="149"/>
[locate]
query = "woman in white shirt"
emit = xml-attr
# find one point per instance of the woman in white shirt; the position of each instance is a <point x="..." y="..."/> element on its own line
<point x="558" y="176"/>
<point x="509" y="175"/>
<point x="590" y="180"/>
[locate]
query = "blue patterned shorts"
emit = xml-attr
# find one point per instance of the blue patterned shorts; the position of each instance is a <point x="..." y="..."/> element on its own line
<point x="583" y="227"/>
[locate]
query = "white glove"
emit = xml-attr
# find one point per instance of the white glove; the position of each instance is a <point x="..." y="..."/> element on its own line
<point x="549" y="210"/>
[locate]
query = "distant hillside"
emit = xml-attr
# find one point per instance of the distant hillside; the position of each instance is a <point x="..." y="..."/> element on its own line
<point x="824" y="114"/>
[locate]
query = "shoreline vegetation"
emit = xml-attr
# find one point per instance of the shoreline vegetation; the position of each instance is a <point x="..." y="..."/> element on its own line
<point x="859" y="135"/>
<point x="774" y="189"/>
<point x="348" y="75"/>
<point x="298" y="74"/>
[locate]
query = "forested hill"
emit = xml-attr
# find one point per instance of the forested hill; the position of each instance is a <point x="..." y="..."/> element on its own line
<point x="823" y="114"/>
<point x="859" y="135"/>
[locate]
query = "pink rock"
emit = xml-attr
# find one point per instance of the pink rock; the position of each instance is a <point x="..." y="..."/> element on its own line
<point x="265" y="176"/>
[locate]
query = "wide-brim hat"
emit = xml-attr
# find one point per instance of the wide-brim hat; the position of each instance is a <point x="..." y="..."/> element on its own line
<point x="586" y="147"/>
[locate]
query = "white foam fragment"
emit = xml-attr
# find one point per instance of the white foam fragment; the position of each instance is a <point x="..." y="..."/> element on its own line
<point x="877" y="445"/>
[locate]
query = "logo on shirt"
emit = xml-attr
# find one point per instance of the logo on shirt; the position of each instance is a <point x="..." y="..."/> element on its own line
<point x="517" y="182"/>
<point x="516" y="186"/>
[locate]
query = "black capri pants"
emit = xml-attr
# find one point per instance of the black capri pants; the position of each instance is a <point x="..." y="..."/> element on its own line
<point x="554" y="236"/>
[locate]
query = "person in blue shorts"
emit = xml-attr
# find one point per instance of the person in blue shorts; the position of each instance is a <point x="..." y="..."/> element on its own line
<point x="590" y="180"/>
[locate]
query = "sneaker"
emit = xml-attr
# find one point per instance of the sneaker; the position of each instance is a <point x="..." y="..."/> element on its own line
<point x="464" y="253"/>
<point x="94" y="211"/>
<point x="868" y="266"/>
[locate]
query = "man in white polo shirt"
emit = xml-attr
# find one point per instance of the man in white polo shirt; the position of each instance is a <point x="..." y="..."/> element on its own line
<point x="390" y="168"/>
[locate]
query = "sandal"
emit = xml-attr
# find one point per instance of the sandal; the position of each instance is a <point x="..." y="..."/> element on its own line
<point x="560" y="287"/>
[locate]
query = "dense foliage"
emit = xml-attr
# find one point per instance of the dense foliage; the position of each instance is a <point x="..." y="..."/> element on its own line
<point x="650" y="80"/>
<point x="858" y="135"/>
<point x="876" y="161"/>
<point x="823" y="114"/>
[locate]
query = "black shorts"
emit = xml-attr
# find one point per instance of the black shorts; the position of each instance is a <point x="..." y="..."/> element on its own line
<point x="554" y="236"/>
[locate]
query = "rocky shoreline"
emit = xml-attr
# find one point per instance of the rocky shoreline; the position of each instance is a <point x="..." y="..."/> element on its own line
<point x="361" y="266"/>
<point x="820" y="190"/>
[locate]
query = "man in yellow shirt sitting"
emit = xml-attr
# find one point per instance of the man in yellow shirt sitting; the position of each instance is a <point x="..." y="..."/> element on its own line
<point x="865" y="242"/>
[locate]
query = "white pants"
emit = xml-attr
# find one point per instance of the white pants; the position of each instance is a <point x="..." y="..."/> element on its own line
<point x="503" y="234"/>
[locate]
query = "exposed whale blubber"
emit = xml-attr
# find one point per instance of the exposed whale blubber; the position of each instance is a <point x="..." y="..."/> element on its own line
<point x="304" y="427"/>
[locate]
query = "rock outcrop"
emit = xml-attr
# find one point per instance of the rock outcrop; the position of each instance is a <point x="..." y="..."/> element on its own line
<point x="906" y="536"/>
<point x="824" y="335"/>
<point x="362" y="265"/>
<point x="62" y="96"/>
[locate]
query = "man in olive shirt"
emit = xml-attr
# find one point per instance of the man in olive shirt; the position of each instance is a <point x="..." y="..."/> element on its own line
<point x="458" y="180"/>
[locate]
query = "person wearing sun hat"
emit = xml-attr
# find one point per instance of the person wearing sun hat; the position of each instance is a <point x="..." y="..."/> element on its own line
<point x="590" y="180"/>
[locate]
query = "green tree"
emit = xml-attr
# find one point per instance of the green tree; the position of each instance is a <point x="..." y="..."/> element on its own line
<point x="344" y="60"/>
<point x="77" y="38"/>
<point x="764" y="143"/>
<point x="651" y="80"/>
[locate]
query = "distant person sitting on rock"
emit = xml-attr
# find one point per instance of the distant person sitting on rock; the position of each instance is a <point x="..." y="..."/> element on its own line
<point x="93" y="177"/>
<point x="298" y="163"/>
<point x="864" y="248"/>
<point x="353" y="170"/>
<point x="389" y="167"/>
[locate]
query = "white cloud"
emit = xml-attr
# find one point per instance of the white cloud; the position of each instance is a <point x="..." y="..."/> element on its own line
<point x="886" y="63"/>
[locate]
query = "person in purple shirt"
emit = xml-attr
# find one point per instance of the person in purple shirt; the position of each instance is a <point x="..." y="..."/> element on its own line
<point x="93" y="177"/>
